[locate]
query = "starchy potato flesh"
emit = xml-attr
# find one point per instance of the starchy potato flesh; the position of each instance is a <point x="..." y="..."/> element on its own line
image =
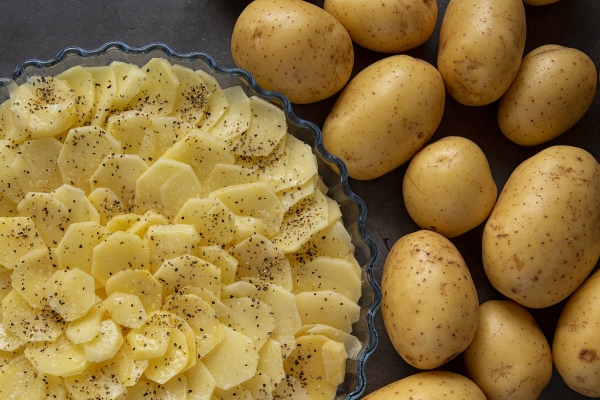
<point x="163" y="236"/>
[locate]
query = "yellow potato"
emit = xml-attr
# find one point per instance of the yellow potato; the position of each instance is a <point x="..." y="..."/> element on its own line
<point x="373" y="24"/>
<point x="554" y="88"/>
<point x="509" y="358"/>
<point x="293" y="47"/>
<point x="429" y="303"/>
<point x="429" y="385"/>
<point x="543" y="238"/>
<point x="575" y="350"/>
<point x="385" y="115"/>
<point x="448" y="186"/>
<point x="480" y="48"/>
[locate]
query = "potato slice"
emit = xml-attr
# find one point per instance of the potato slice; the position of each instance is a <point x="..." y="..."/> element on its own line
<point x="175" y="273"/>
<point x="144" y="388"/>
<point x="30" y="274"/>
<point x="327" y="307"/>
<point x="125" y="309"/>
<point x="291" y="196"/>
<point x="256" y="200"/>
<point x="46" y="103"/>
<point x="122" y="222"/>
<point x="129" y="79"/>
<point x="87" y="327"/>
<point x="76" y="247"/>
<point x="251" y="317"/>
<point x="170" y="241"/>
<point x="236" y="118"/>
<point x="83" y="150"/>
<point x="163" y="133"/>
<point x="148" y="195"/>
<point x="107" y="203"/>
<point x="351" y="342"/>
<point x="220" y="258"/>
<point x="49" y="215"/>
<point x="129" y="370"/>
<point x="138" y="282"/>
<point x="209" y="297"/>
<point x="105" y="344"/>
<point x="105" y="90"/>
<point x="59" y="358"/>
<point x="217" y="103"/>
<point x="55" y="387"/>
<point x="202" y="151"/>
<point x="334" y="358"/>
<point x="79" y="207"/>
<point x="259" y="258"/>
<point x="129" y="128"/>
<point x="200" y="316"/>
<point x="159" y="91"/>
<point x="201" y="383"/>
<point x="70" y="293"/>
<point x="10" y="189"/>
<point x="246" y="226"/>
<point x="192" y="95"/>
<point x="233" y="361"/>
<point x="270" y="361"/>
<point x="28" y="323"/>
<point x="301" y="165"/>
<point x="213" y="220"/>
<point x="143" y="223"/>
<point x="237" y="392"/>
<point x="35" y="165"/>
<point x="161" y="369"/>
<point x="176" y="190"/>
<point x="283" y="305"/>
<point x="12" y="127"/>
<point x="119" y="251"/>
<point x="97" y="381"/>
<point x="175" y="388"/>
<point x="305" y="364"/>
<point x="18" y="382"/>
<point x="267" y="128"/>
<point x="223" y="175"/>
<point x="119" y="172"/>
<point x="260" y="385"/>
<point x="291" y="388"/>
<point x="327" y="273"/>
<point x="81" y="82"/>
<point x="19" y="236"/>
<point x="9" y="342"/>
<point x="152" y="339"/>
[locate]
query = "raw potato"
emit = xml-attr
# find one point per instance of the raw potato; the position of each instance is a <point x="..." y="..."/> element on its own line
<point x="448" y="187"/>
<point x="509" y="358"/>
<point x="293" y="47"/>
<point x="429" y="385"/>
<point x="480" y="48"/>
<point x="554" y="88"/>
<point x="389" y="26"/>
<point x="543" y="237"/>
<point x="385" y="115"/>
<point x="430" y="306"/>
<point x="576" y="350"/>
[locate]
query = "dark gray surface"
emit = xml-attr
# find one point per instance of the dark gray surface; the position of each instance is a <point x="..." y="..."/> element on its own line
<point x="40" y="28"/>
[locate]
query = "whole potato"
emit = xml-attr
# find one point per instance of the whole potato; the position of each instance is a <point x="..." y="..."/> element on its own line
<point x="429" y="303"/>
<point x="448" y="186"/>
<point x="576" y="345"/>
<point x="429" y="385"/>
<point x="509" y="358"/>
<point x="542" y="238"/>
<point x="293" y="47"/>
<point x="389" y="26"/>
<point x="554" y="88"/>
<point x="385" y="115"/>
<point x="480" y="48"/>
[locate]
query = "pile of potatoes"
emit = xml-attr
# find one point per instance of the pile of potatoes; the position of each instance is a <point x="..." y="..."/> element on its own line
<point x="541" y="238"/>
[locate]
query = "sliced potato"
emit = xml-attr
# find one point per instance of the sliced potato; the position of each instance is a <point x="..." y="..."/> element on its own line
<point x="119" y="172"/>
<point x="87" y="327"/>
<point x="49" y="215"/>
<point x="60" y="358"/>
<point x="35" y="165"/>
<point x="17" y="381"/>
<point x="30" y="274"/>
<point x="97" y="381"/>
<point x="76" y="247"/>
<point x="138" y="282"/>
<point x="327" y="307"/>
<point x="129" y="128"/>
<point x="81" y="82"/>
<point x="251" y="317"/>
<point x="105" y="90"/>
<point x="217" y="103"/>
<point x="172" y="362"/>
<point x="236" y="118"/>
<point x="125" y="309"/>
<point x="175" y="273"/>
<point x="212" y="219"/>
<point x="327" y="273"/>
<point x="105" y="344"/>
<point x="129" y="80"/>
<point x="158" y="92"/>
<point x="192" y="95"/>
<point x="170" y="241"/>
<point x="70" y="293"/>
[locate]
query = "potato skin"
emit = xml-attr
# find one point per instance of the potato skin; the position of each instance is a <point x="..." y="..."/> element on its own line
<point x="385" y="115"/>
<point x="554" y="88"/>
<point x="388" y="26"/>
<point x="480" y="48"/>
<point x="429" y="304"/>
<point x="543" y="237"/>
<point x="448" y="186"/>
<point x="509" y="358"/>
<point x="576" y="345"/>
<point x="429" y="385"/>
<point x="293" y="47"/>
